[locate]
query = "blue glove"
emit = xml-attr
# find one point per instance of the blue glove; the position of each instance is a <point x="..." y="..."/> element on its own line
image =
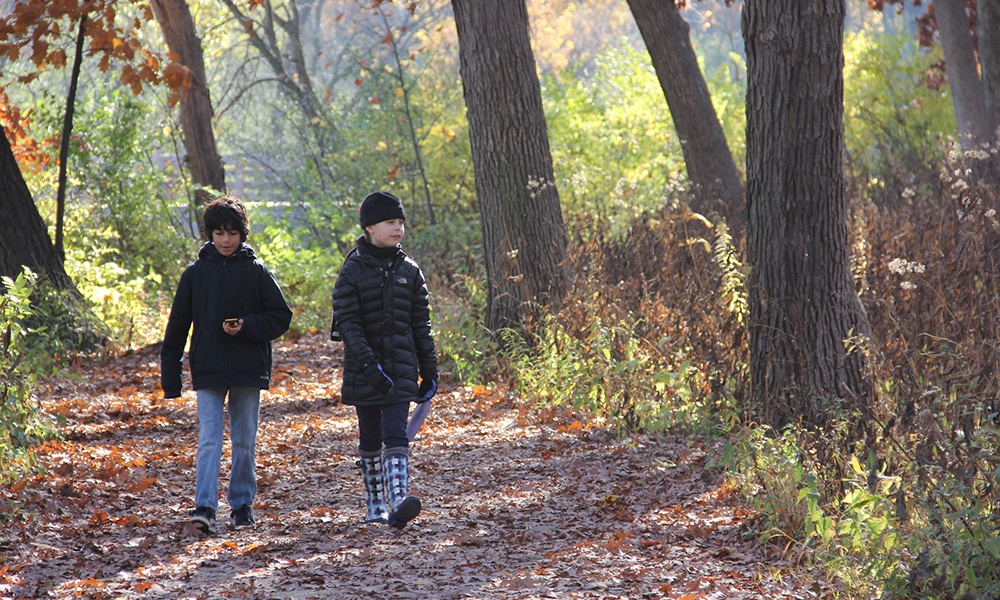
<point x="377" y="378"/>
<point x="428" y="387"/>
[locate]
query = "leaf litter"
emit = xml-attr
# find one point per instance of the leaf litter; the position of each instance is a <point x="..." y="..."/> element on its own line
<point x="519" y="503"/>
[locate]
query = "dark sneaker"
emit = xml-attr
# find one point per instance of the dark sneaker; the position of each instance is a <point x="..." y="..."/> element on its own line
<point x="242" y="516"/>
<point x="203" y="518"/>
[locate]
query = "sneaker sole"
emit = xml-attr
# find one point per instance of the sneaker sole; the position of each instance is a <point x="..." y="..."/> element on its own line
<point x="203" y="527"/>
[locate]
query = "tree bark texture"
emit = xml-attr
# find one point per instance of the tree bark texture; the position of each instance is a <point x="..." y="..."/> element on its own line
<point x="988" y="33"/>
<point x="196" y="113"/>
<point x="714" y="179"/>
<point x="24" y="238"/>
<point x="967" y="95"/>
<point x="523" y="236"/>
<point x="803" y="303"/>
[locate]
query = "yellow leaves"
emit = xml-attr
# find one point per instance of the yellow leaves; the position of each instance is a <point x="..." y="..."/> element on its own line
<point x="448" y="133"/>
<point x="381" y="145"/>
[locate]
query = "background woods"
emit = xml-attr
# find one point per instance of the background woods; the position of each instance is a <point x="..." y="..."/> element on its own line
<point x="573" y="174"/>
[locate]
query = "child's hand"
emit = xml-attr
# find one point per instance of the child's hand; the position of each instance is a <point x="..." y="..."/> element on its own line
<point x="377" y="378"/>
<point x="428" y="387"/>
<point x="232" y="326"/>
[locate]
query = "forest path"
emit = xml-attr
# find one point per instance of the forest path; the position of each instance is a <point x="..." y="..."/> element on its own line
<point x="518" y="503"/>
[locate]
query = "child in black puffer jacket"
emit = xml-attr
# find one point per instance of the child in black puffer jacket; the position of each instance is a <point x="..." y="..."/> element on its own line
<point x="234" y="308"/>
<point x="381" y="310"/>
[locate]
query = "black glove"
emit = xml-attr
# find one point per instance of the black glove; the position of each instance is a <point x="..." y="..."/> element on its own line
<point x="377" y="378"/>
<point x="428" y="387"/>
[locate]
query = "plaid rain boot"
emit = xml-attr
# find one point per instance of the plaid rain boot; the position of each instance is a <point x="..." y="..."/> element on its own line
<point x="402" y="508"/>
<point x="371" y="472"/>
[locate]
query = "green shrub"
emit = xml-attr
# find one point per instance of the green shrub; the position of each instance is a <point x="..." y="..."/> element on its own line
<point x="22" y="422"/>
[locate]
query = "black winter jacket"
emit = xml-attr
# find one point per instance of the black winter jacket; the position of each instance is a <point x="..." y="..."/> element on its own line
<point x="212" y="289"/>
<point x="382" y="312"/>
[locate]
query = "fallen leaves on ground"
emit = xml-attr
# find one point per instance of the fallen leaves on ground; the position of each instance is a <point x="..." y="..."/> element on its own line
<point x="519" y="503"/>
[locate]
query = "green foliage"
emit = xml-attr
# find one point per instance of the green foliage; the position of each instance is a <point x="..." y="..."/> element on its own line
<point x="465" y="348"/>
<point x="897" y="113"/>
<point x="126" y="237"/>
<point x="22" y="422"/>
<point x="607" y="371"/>
<point x="628" y="358"/>
<point x="855" y="536"/>
<point x="614" y="148"/>
<point x="306" y="275"/>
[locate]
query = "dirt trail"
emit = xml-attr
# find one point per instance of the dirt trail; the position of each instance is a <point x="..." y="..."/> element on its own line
<point x="517" y="504"/>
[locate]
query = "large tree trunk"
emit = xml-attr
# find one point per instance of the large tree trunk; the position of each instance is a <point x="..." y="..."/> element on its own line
<point x="24" y="238"/>
<point x="196" y="114"/>
<point x="967" y="95"/>
<point x="710" y="167"/>
<point x="803" y="303"/>
<point x="525" y="244"/>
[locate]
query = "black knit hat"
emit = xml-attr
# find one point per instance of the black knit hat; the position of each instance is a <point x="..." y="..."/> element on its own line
<point x="381" y="206"/>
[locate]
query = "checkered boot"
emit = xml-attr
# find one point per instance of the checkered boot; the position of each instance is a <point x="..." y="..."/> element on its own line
<point x="402" y="508"/>
<point x="371" y="472"/>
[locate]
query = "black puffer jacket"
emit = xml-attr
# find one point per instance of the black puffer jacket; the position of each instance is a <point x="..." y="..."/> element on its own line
<point x="212" y="289"/>
<point x="383" y="316"/>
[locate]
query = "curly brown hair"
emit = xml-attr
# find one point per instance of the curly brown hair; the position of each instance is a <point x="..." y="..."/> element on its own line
<point x="227" y="212"/>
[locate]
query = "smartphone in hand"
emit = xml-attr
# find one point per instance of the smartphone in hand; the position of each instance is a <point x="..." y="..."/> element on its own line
<point x="231" y="322"/>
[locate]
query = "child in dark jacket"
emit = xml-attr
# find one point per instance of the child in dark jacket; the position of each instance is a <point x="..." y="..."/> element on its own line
<point x="236" y="308"/>
<point x="381" y="309"/>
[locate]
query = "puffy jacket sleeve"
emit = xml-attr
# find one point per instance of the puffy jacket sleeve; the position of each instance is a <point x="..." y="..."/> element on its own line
<point x="420" y="324"/>
<point x="274" y="317"/>
<point x="347" y="310"/>
<point x="175" y="338"/>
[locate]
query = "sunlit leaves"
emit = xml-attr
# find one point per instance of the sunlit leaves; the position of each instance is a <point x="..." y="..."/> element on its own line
<point x="36" y="30"/>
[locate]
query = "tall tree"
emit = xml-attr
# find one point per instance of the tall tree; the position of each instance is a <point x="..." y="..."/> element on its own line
<point x="710" y="166"/>
<point x="523" y="236"/>
<point x="967" y="94"/>
<point x="196" y="113"/>
<point x="24" y="238"/>
<point x="803" y="303"/>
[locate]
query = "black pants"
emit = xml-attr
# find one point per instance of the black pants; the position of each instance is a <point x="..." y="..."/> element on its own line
<point x="378" y="425"/>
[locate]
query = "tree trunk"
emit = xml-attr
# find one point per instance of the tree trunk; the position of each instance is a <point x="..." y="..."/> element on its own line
<point x="24" y="238"/>
<point x="710" y="167"/>
<point x="803" y="303"/>
<point x="960" y="63"/>
<point x="196" y="114"/>
<point x="67" y="134"/>
<point x="988" y="32"/>
<point x="523" y="236"/>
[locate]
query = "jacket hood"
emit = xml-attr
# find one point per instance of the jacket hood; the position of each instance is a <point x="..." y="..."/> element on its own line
<point x="210" y="252"/>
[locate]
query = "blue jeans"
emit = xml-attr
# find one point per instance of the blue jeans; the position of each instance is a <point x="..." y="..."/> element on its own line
<point x="244" y="411"/>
